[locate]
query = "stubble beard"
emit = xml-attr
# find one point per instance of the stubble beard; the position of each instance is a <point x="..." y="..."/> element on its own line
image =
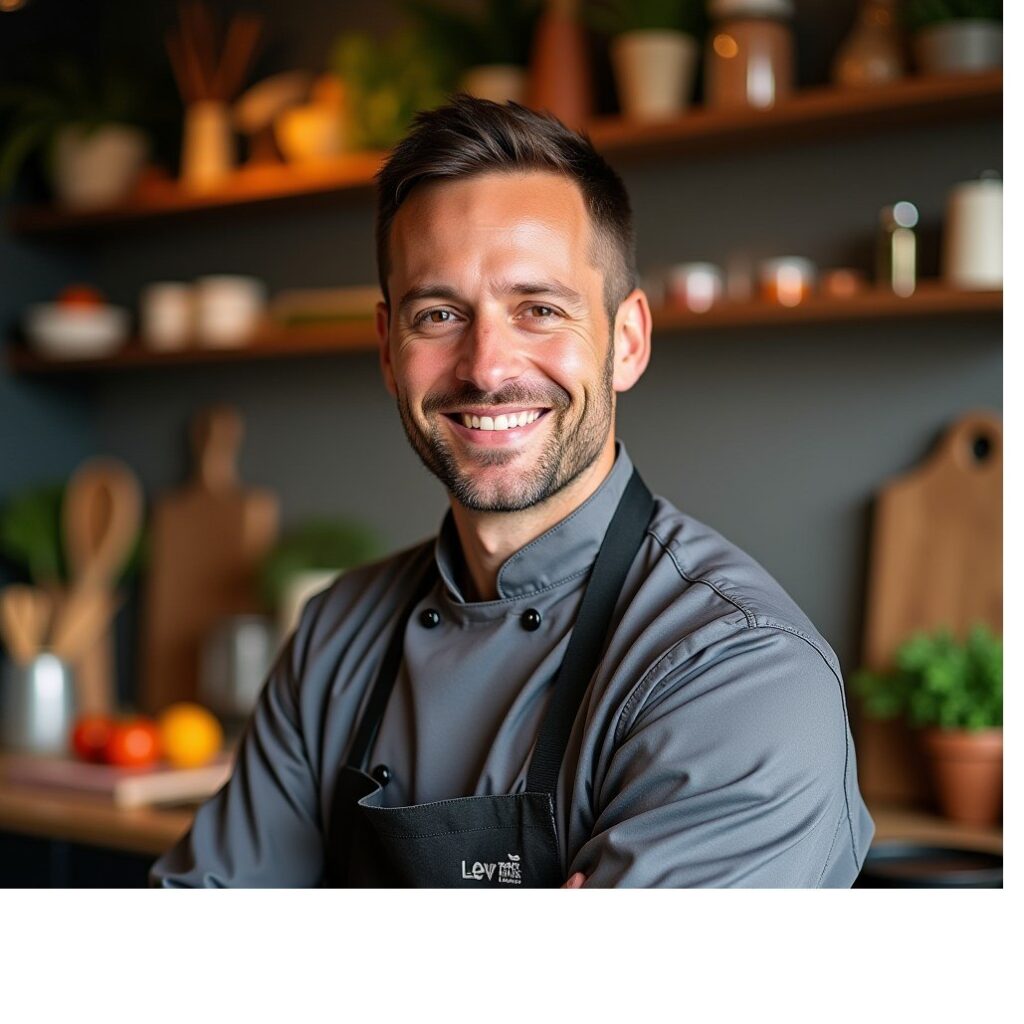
<point x="565" y="455"/>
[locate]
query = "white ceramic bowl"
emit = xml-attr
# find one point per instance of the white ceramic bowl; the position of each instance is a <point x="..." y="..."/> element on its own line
<point x="69" y="333"/>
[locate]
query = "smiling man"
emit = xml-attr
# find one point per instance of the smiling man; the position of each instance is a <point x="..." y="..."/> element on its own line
<point x="575" y="683"/>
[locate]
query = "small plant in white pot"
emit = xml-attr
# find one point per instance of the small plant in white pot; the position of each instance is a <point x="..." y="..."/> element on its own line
<point x="86" y="131"/>
<point x="485" y="54"/>
<point x="655" y="47"/>
<point x="955" y="36"/>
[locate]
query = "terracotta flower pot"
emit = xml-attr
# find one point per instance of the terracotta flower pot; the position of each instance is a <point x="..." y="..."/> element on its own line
<point x="967" y="770"/>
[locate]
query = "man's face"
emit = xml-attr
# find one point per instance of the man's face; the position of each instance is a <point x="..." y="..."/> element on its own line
<point x="498" y="348"/>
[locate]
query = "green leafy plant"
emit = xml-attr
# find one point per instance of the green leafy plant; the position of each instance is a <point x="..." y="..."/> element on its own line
<point x="31" y="536"/>
<point x="317" y="544"/>
<point x="921" y="13"/>
<point x="501" y="32"/>
<point x="388" y="82"/>
<point x="938" y="680"/>
<point x="33" y="114"/>
<point x="30" y="533"/>
<point x="614" y="17"/>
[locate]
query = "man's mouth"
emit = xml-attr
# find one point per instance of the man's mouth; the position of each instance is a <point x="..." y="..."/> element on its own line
<point x="496" y="419"/>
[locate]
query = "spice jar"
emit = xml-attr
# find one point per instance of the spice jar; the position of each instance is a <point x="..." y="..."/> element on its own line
<point x="787" y="281"/>
<point x="750" y="54"/>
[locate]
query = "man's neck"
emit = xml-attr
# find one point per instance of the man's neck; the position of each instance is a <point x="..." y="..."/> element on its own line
<point x="489" y="539"/>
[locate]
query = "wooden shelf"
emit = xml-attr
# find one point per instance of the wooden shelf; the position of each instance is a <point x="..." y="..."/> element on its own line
<point x="811" y="115"/>
<point x="930" y="300"/>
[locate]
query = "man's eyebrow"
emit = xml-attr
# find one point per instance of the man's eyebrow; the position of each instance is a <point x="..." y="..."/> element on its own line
<point x="427" y="291"/>
<point x="555" y="288"/>
<point x="444" y="292"/>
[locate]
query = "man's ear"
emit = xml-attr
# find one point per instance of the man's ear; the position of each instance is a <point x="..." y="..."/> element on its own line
<point x="632" y="340"/>
<point x="381" y="323"/>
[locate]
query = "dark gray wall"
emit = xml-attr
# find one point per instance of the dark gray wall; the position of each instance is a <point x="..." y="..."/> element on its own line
<point x="778" y="438"/>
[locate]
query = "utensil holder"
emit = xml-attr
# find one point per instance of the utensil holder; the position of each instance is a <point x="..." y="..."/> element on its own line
<point x="37" y="705"/>
<point x="208" y="145"/>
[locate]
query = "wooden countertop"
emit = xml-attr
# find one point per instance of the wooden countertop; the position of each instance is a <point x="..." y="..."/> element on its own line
<point x="53" y="814"/>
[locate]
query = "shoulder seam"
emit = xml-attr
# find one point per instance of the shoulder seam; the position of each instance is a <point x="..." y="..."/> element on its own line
<point x="693" y="579"/>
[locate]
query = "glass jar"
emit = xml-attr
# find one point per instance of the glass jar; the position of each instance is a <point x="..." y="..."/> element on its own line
<point x="750" y="60"/>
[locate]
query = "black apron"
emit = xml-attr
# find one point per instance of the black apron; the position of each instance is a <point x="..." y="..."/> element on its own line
<point x="492" y="841"/>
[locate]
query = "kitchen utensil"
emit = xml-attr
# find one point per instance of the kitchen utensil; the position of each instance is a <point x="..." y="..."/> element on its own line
<point x="694" y="286"/>
<point x="167" y="314"/>
<point x="208" y="540"/>
<point x="102" y="516"/>
<point x="235" y="659"/>
<point x="787" y="281"/>
<point x="936" y="560"/>
<point x="62" y="332"/>
<point x="972" y="255"/>
<point x="85" y="614"/>
<point x="897" y="248"/>
<point x="37" y="706"/>
<point x="750" y="59"/>
<point x="25" y="617"/>
<point x="228" y="309"/>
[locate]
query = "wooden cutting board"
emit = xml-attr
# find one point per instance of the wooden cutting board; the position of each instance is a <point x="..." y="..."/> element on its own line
<point x="208" y="541"/>
<point x="936" y="560"/>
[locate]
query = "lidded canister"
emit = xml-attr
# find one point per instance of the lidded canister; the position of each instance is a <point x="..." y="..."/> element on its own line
<point x="750" y="59"/>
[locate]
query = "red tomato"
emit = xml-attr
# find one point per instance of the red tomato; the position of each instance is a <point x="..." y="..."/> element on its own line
<point x="90" y="736"/>
<point x="133" y="743"/>
<point x="81" y="295"/>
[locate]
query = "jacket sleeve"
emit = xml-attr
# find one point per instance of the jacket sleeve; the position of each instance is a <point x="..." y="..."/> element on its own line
<point x="262" y="829"/>
<point x="735" y="770"/>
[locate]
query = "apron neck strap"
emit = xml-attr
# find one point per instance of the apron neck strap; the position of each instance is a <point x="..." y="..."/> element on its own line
<point x="621" y="542"/>
<point x="590" y="634"/>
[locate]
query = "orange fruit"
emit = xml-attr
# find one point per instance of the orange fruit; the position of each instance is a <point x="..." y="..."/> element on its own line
<point x="190" y="734"/>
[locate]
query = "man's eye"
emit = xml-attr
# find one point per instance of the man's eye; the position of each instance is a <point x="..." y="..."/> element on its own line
<point x="541" y="311"/>
<point x="435" y="316"/>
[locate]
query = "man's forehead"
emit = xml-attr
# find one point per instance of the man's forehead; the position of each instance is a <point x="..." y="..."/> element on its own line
<point x="534" y="214"/>
<point x="495" y="199"/>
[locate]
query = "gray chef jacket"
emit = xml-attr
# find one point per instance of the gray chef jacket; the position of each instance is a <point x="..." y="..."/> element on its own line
<point x="712" y="747"/>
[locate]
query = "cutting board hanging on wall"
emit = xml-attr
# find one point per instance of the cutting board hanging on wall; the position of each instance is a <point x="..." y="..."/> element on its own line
<point x="936" y="560"/>
<point x="208" y="541"/>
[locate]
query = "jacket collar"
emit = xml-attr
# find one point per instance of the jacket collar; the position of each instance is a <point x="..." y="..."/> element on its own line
<point x="565" y="551"/>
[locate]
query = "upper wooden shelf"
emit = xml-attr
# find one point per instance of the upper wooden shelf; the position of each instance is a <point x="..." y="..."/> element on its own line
<point x="813" y="114"/>
<point x="930" y="300"/>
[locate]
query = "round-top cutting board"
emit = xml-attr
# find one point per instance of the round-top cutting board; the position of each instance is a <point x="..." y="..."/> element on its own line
<point x="936" y="560"/>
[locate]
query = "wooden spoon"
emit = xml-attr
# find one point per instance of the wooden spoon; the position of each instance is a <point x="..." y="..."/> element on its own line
<point x="25" y="616"/>
<point x="102" y="514"/>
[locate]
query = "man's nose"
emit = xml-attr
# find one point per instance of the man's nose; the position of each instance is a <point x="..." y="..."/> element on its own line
<point x="489" y="355"/>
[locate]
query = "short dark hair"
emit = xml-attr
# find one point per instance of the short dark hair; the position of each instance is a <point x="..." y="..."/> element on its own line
<point x="469" y="136"/>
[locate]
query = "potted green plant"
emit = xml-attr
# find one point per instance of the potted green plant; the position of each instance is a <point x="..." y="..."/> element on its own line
<point x="952" y="691"/>
<point x="655" y="46"/>
<point x="486" y="54"/>
<point x="87" y="131"/>
<point x="386" y="82"/>
<point x="953" y="36"/>
<point x="307" y="558"/>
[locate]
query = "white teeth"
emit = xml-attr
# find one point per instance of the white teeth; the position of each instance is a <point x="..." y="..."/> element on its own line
<point x="502" y="422"/>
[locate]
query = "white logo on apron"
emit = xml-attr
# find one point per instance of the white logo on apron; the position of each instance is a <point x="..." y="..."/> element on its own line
<point x="509" y="872"/>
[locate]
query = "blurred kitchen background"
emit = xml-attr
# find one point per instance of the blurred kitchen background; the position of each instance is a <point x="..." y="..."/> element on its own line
<point x="193" y="431"/>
